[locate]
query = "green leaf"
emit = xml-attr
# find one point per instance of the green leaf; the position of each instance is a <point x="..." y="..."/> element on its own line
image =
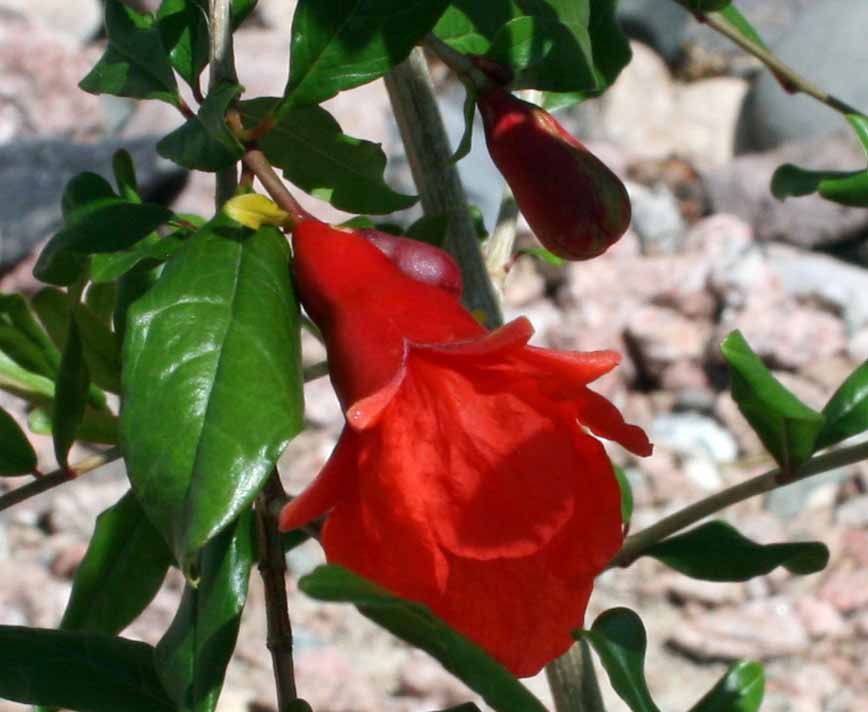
<point x="212" y="381"/>
<point x="183" y="26"/>
<point x="538" y="49"/>
<point x="124" y="567"/>
<point x="341" y="44"/>
<point x="308" y="144"/>
<point x="545" y="255"/>
<point x="135" y="63"/>
<point x="859" y="124"/>
<point x="71" y="391"/>
<point x="847" y="410"/>
<point x="844" y="187"/>
<point x="154" y="250"/>
<point x="466" y="142"/>
<point x="100" y="348"/>
<point x="86" y="672"/>
<point x="740" y="690"/>
<point x="414" y="623"/>
<point x="16" y="453"/>
<point x="618" y="637"/>
<point x="95" y="220"/>
<point x="787" y="427"/>
<point x="430" y="229"/>
<point x="27" y="336"/>
<point x="23" y="383"/>
<point x="626" y="494"/>
<point x="470" y="27"/>
<point x="733" y="17"/>
<point x="205" y="142"/>
<point x="610" y="47"/>
<point x="97" y="426"/>
<point x="716" y="551"/>
<point x="466" y="707"/>
<point x="192" y="656"/>
<point x="100" y="301"/>
<point x="125" y="175"/>
<point x="707" y="5"/>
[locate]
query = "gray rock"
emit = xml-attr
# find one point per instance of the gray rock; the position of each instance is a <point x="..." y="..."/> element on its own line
<point x="827" y="45"/>
<point x="841" y="287"/>
<point x="695" y="435"/>
<point x="33" y="175"/>
<point x="81" y="19"/>
<point x="743" y="188"/>
<point x="656" y="219"/>
<point x="659" y="25"/>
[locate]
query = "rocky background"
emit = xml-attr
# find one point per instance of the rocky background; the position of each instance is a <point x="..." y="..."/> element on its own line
<point x="696" y="129"/>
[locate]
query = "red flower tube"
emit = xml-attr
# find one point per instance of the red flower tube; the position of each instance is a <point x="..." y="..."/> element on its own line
<point x="464" y="478"/>
<point x="574" y="204"/>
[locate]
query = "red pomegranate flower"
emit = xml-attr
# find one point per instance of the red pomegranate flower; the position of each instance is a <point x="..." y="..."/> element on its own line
<point x="464" y="478"/>
<point x="574" y="204"/>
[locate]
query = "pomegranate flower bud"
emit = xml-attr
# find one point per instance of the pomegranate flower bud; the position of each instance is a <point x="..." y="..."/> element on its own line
<point x="575" y="205"/>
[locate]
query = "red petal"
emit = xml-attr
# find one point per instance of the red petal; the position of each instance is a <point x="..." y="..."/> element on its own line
<point x="323" y="493"/>
<point x="606" y="421"/>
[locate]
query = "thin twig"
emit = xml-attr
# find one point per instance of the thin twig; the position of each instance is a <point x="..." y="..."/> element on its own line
<point x="790" y="80"/>
<point x="222" y="70"/>
<point x="636" y="545"/>
<point x="458" y="62"/>
<point x="316" y="370"/>
<point x="58" y="477"/>
<point x="272" y="568"/>
<point x="436" y="177"/>
<point x="256" y="161"/>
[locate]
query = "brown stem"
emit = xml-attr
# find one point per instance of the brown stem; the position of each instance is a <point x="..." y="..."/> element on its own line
<point x="58" y="477"/>
<point x="272" y="568"/>
<point x="790" y="80"/>
<point x="636" y="545"/>
<point x="256" y="161"/>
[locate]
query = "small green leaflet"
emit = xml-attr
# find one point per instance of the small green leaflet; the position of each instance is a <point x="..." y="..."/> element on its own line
<point x="16" y="453"/>
<point x="741" y="689"/>
<point x="847" y="410"/>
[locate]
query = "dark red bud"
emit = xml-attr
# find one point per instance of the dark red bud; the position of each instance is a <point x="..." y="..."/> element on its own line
<point x="575" y="205"/>
<point x="424" y="263"/>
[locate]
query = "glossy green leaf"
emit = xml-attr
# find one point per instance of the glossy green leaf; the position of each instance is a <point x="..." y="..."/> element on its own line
<point x="212" y="381"/>
<point x="733" y="17"/>
<point x="132" y="286"/>
<point x="538" y="49"/>
<point x="787" y="427"/>
<point x="135" y="63"/>
<point x="183" y="26"/>
<point x="205" y="142"/>
<point x="845" y="187"/>
<point x="341" y="44"/>
<point x="96" y="219"/>
<point x="414" y="623"/>
<point x="153" y="250"/>
<point x="97" y="426"/>
<point x="23" y="383"/>
<point x="299" y="705"/>
<point x="16" y="453"/>
<point x="85" y="672"/>
<point x="619" y="639"/>
<point x="716" y="551"/>
<point x="626" y="494"/>
<point x="847" y="410"/>
<point x="466" y="707"/>
<point x="610" y="47"/>
<point x="124" y="567"/>
<point x="470" y="27"/>
<point x="314" y="154"/>
<point x="192" y="656"/>
<point x="741" y="689"/>
<point x="70" y="397"/>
